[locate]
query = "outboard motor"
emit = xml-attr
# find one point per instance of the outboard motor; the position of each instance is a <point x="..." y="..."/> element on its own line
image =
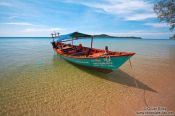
<point x="106" y="50"/>
<point x="53" y="44"/>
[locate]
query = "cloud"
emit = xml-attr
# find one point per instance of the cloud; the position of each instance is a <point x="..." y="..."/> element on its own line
<point x="27" y="29"/>
<point x="134" y="33"/>
<point x="157" y="25"/>
<point x="145" y="34"/>
<point x="13" y="17"/>
<point x="20" y="24"/>
<point x="139" y="33"/>
<point x="138" y="17"/>
<point x="126" y="9"/>
<point x="42" y="31"/>
<point x="29" y="32"/>
<point x="7" y="4"/>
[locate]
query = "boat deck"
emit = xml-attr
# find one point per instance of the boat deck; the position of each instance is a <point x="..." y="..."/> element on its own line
<point x="71" y="51"/>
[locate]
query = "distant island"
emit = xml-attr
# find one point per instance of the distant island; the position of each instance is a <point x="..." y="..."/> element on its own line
<point x="108" y="36"/>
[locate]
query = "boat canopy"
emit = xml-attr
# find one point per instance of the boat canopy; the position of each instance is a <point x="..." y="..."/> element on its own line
<point x="75" y="35"/>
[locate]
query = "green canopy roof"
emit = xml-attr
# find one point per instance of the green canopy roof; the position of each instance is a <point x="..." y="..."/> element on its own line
<point x="73" y="35"/>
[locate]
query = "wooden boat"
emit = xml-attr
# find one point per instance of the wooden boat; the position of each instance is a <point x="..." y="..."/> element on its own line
<point x="102" y="60"/>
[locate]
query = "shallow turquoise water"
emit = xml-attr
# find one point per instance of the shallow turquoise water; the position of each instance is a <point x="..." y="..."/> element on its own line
<point x="34" y="80"/>
<point x="16" y="52"/>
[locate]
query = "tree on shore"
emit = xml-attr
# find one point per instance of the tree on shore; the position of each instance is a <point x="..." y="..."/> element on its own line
<point x="165" y="9"/>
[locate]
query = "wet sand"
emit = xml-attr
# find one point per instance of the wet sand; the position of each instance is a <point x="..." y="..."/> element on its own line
<point x="63" y="89"/>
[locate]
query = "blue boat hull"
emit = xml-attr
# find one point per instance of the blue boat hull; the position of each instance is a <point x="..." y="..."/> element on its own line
<point x="106" y="63"/>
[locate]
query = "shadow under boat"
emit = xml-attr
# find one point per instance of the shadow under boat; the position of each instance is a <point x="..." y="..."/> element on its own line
<point x="117" y="76"/>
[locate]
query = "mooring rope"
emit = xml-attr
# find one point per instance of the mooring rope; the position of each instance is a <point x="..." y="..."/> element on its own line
<point x="137" y="86"/>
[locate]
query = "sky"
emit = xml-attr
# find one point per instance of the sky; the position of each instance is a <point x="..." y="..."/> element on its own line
<point x="39" y="18"/>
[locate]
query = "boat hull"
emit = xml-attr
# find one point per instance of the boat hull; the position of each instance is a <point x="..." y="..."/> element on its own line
<point x="89" y="57"/>
<point x="105" y="63"/>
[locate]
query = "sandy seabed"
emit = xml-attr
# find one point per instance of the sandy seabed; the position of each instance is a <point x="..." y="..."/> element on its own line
<point x="62" y="89"/>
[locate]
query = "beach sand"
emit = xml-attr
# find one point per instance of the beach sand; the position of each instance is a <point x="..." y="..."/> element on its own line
<point x="63" y="89"/>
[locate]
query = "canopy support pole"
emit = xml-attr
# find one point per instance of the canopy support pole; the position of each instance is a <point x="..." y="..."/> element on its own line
<point x="92" y="41"/>
<point x="72" y="41"/>
<point x="53" y="39"/>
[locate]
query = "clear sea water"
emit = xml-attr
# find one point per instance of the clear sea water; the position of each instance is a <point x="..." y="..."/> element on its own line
<point x="16" y="52"/>
<point x="34" y="79"/>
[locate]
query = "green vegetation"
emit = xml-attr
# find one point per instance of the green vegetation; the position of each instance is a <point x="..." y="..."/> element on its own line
<point x="165" y="9"/>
